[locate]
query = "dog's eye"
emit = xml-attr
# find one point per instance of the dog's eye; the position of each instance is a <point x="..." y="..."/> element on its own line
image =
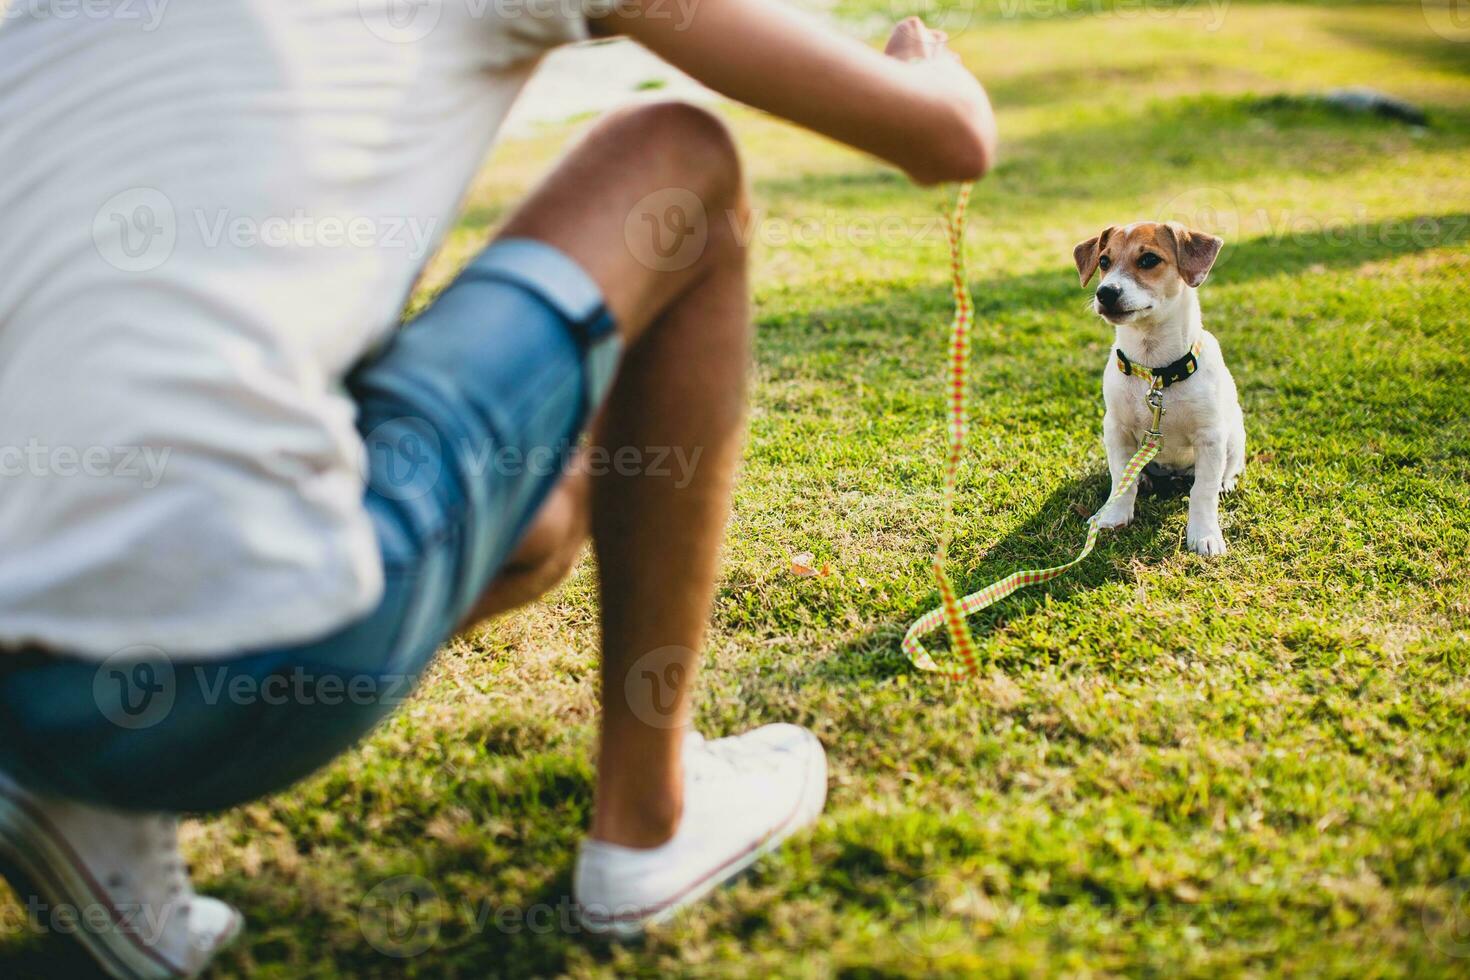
<point x="1105" y="263"/>
<point x="1148" y="260"/>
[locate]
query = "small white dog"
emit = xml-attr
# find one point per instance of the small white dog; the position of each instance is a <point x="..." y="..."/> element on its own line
<point x="1149" y="275"/>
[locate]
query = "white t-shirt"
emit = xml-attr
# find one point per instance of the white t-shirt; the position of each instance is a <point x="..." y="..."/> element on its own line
<point x="210" y="210"/>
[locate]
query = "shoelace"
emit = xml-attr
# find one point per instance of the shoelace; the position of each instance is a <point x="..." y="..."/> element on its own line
<point x="162" y="862"/>
<point x="176" y="873"/>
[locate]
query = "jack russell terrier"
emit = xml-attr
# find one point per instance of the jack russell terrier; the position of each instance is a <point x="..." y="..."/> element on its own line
<point x="1149" y="275"/>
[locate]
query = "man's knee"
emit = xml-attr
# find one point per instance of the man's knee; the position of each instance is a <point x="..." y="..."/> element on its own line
<point x="692" y="146"/>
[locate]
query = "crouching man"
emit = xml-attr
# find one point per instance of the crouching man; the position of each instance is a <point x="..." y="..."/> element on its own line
<point x="210" y="230"/>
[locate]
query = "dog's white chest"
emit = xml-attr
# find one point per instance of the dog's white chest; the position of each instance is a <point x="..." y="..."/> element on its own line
<point x="1189" y="406"/>
<point x="1180" y="423"/>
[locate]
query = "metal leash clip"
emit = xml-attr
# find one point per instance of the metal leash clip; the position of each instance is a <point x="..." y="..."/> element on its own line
<point x="1156" y="406"/>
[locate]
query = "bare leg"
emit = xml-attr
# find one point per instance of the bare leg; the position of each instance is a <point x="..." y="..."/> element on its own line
<point x="625" y="204"/>
<point x="545" y="554"/>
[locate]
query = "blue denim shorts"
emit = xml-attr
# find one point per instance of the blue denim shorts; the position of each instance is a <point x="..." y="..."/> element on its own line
<point x="468" y="417"/>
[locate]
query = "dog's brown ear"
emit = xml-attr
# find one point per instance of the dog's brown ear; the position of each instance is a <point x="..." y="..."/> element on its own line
<point x="1086" y="253"/>
<point x="1194" y="251"/>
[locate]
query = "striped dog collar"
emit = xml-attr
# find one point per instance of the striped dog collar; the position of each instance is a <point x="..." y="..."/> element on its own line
<point x="1165" y="376"/>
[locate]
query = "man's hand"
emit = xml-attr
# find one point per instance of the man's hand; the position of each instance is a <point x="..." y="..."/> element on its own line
<point x="914" y="42"/>
<point x="918" y="108"/>
<point x="911" y="40"/>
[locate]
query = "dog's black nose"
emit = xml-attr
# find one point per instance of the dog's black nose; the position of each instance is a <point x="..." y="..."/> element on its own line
<point x="1108" y="296"/>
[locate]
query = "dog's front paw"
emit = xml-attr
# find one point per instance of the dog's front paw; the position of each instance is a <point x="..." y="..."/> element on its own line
<point x="1210" y="543"/>
<point x="1114" y="516"/>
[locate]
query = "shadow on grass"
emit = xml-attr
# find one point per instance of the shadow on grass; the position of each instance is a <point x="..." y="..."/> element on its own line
<point x="42" y="948"/>
<point x="1155" y="150"/>
<point x="1052" y="535"/>
<point x="1037" y="341"/>
<point x="51" y="956"/>
<point x="1294" y="246"/>
<point x="1410" y="45"/>
<point x="1175" y="145"/>
<point x="958" y="15"/>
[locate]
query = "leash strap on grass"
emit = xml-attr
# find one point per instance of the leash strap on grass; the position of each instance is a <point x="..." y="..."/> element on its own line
<point x="953" y="610"/>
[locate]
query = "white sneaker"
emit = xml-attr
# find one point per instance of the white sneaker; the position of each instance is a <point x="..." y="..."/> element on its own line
<point x="743" y="796"/>
<point x="113" y="881"/>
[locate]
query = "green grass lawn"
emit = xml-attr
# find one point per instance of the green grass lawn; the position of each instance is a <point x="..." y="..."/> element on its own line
<point x="1173" y="766"/>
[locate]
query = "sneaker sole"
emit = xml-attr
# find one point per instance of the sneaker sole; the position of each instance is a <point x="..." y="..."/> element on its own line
<point x="37" y="860"/>
<point x="807" y="810"/>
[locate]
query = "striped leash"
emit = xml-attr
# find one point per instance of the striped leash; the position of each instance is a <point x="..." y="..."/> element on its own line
<point x="953" y="610"/>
